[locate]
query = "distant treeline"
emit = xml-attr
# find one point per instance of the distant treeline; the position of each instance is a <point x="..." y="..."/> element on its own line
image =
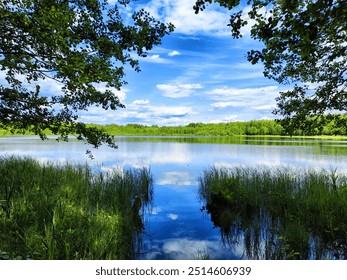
<point x="337" y="126"/>
<point x="255" y="127"/>
<point x="264" y="127"/>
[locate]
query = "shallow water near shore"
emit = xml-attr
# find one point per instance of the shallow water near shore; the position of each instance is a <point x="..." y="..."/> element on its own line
<point x="175" y="227"/>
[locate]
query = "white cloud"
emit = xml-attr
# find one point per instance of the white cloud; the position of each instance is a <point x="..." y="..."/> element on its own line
<point x="166" y="111"/>
<point x="174" y="53"/>
<point x="231" y="118"/>
<point x="151" y="114"/>
<point x="237" y="76"/>
<point x="140" y="102"/>
<point x="246" y="30"/>
<point x="121" y="94"/>
<point x="221" y="105"/>
<point x="178" y="90"/>
<point x="266" y="107"/>
<point x="213" y="20"/>
<point x="145" y="114"/>
<point x="177" y="178"/>
<point x="187" y="249"/>
<point x="238" y="71"/>
<point x="227" y="93"/>
<point x="250" y="101"/>
<point x="172" y="216"/>
<point x="48" y="87"/>
<point x="155" y="58"/>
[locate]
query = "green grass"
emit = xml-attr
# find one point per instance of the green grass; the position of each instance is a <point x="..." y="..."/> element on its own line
<point x="69" y="212"/>
<point x="279" y="214"/>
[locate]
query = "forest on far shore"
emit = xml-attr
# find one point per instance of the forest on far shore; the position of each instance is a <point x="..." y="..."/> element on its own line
<point x="336" y="127"/>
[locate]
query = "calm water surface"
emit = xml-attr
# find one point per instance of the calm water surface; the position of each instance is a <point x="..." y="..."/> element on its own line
<point x="176" y="228"/>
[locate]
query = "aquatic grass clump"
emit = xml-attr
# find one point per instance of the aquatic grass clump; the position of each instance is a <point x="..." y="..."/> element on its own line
<point x="69" y="212"/>
<point x="279" y="213"/>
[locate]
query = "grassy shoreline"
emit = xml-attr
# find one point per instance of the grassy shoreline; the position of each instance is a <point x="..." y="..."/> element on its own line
<point x="68" y="212"/>
<point x="278" y="214"/>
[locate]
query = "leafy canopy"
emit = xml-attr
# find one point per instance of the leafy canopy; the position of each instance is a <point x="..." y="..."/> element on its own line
<point x="83" y="45"/>
<point x="305" y="45"/>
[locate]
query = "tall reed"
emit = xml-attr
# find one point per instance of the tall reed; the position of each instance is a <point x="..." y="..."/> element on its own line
<point x="70" y="212"/>
<point x="279" y="213"/>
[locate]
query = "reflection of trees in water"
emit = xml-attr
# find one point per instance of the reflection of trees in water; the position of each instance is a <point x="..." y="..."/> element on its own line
<point x="142" y="203"/>
<point x="268" y="235"/>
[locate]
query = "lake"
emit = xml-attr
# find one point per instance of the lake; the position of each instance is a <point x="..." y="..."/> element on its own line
<point x="176" y="228"/>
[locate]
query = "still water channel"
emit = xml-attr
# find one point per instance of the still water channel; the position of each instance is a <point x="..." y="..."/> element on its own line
<point x="176" y="228"/>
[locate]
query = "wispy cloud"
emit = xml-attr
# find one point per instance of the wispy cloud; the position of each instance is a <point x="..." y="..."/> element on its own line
<point x="229" y="118"/>
<point x="229" y="93"/>
<point x="155" y="58"/>
<point x="177" y="178"/>
<point x="178" y="90"/>
<point x="266" y="107"/>
<point x="221" y="105"/>
<point x="140" y="102"/>
<point x="139" y="113"/>
<point x="246" y="103"/>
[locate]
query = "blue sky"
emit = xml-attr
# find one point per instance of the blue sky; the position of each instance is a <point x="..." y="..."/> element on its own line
<point x="198" y="74"/>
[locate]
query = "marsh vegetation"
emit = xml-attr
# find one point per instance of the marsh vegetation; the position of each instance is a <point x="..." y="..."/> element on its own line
<point x="278" y="213"/>
<point x="71" y="212"/>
